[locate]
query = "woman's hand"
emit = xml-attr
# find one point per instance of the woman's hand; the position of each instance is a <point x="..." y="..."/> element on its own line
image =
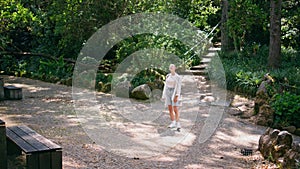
<point x="175" y="99"/>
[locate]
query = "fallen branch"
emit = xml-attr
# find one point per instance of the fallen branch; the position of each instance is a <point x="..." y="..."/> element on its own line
<point x="36" y="54"/>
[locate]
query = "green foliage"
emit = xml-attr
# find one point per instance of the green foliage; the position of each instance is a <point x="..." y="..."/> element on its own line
<point x="53" y="71"/>
<point x="287" y="109"/>
<point x="60" y="28"/>
<point x="245" y="70"/>
<point x="103" y="81"/>
<point x="246" y="20"/>
<point x="150" y="41"/>
<point x="147" y="76"/>
<point x="290" y="24"/>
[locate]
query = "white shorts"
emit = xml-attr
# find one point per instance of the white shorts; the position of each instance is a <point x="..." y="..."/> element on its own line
<point x="169" y="93"/>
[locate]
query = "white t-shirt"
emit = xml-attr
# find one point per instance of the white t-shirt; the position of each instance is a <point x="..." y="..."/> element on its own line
<point x="170" y="81"/>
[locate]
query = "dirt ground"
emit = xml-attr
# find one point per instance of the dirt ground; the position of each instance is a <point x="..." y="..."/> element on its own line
<point x="49" y="109"/>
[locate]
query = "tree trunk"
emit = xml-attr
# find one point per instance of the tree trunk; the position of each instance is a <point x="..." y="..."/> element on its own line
<point x="274" y="59"/>
<point x="224" y="27"/>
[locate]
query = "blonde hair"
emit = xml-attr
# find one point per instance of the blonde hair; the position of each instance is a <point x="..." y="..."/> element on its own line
<point x="172" y="65"/>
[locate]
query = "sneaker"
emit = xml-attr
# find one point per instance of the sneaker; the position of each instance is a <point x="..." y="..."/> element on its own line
<point x="172" y="125"/>
<point x="178" y="125"/>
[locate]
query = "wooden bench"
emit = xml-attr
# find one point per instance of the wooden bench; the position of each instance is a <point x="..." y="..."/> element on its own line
<point x="40" y="152"/>
<point x="3" y="154"/>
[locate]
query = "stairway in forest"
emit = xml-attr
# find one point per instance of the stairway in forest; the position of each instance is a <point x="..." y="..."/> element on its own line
<point x="200" y="74"/>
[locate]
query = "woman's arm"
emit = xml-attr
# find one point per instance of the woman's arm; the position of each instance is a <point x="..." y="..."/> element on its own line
<point x="164" y="89"/>
<point x="178" y="91"/>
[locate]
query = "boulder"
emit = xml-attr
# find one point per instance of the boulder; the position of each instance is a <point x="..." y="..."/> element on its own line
<point x="122" y="89"/>
<point x="142" y="92"/>
<point x="156" y="94"/>
<point x="283" y="143"/>
<point x="261" y="99"/>
<point x="265" y="116"/>
<point x="274" y="144"/>
<point x="290" y="129"/>
<point x="297" y="132"/>
<point x="292" y="157"/>
<point x="264" y="112"/>
<point x="266" y="142"/>
<point x="208" y="99"/>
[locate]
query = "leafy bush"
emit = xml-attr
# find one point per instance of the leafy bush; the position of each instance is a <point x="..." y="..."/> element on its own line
<point x="244" y="71"/>
<point x="287" y="109"/>
<point x="53" y="70"/>
<point x="103" y="81"/>
<point x="146" y="76"/>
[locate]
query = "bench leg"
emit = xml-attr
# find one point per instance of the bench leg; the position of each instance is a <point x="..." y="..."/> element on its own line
<point x="32" y="161"/>
<point x="3" y="148"/>
<point x="45" y="160"/>
<point x="56" y="159"/>
<point x="12" y="148"/>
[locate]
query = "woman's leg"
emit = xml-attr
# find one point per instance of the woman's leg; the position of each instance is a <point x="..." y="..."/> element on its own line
<point x="175" y="108"/>
<point x="170" y="107"/>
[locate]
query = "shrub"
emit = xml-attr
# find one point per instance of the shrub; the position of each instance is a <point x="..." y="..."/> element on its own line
<point x="287" y="109"/>
<point x="244" y="71"/>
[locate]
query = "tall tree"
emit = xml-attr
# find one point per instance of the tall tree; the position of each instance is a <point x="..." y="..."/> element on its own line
<point x="274" y="59"/>
<point x="224" y="28"/>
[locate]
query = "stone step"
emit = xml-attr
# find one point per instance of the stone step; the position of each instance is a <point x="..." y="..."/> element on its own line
<point x="195" y="72"/>
<point x="205" y="60"/>
<point x="199" y="67"/>
<point x="204" y="87"/>
<point x="213" y="49"/>
<point x="201" y="78"/>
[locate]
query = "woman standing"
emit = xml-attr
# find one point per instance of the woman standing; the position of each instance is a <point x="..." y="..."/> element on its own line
<point x="171" y="95"/>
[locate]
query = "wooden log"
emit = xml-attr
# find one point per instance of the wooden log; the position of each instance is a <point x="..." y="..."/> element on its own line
<point x="13" y="93"/>
<point x="3" y="149"/>
<point x="1" y="88"/>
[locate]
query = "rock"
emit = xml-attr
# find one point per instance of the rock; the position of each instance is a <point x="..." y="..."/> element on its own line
<point x="273" y="144"/>
<point x="237" y="104"/>
<point x="290" y="129"/>
<point x="208" y="99"/>
<point x="156" y="94"/>
<point x="266" y="142"/>
<point x="292" y="157"/>
<point x="265" y="116"/>
<point x="243" y="108"/>
<point x="247" y="114"/>
<point x="297" y="132"/>
<point x="260" y="100"/>
<point x="142" y="92"/>
<point x="283" y="143"/>
<point x="250" y="104"/>
<point x="234" y="112"/>
<point x="266" y="80"/>
<point x="122" y="89"/>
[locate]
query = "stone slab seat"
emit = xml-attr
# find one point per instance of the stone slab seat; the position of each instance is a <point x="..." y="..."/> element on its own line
<point x="40" y="152"/>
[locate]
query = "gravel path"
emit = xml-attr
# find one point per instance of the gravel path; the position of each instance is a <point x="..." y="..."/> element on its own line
<point x="49" y="109"/>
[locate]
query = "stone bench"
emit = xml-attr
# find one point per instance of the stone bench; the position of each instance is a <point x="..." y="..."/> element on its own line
<point x="40" y="152"/>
